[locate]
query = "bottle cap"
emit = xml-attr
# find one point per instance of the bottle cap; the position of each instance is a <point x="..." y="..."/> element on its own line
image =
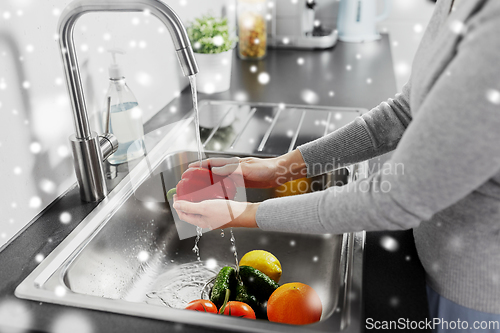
<point x="114" y="70"/>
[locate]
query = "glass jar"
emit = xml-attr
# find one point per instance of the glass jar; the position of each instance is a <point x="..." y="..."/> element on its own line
<point x="252" y="30"/>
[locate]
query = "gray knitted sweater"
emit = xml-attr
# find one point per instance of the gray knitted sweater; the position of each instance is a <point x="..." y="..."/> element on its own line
<point x="443" y="179"/>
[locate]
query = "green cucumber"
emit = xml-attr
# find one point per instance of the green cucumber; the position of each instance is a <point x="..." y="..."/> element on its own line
<point x="226" y="279"/>
<point x="243" y="295"/>
<point x="258" y="283"/>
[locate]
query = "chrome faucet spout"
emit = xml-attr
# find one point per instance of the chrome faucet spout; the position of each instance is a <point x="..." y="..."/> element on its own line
<point x="86" y="152"/>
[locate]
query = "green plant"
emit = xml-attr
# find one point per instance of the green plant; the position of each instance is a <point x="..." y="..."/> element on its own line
<point x="210" y="34"/>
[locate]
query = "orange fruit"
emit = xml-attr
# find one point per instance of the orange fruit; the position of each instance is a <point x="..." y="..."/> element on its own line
<point x="294" y="303"/>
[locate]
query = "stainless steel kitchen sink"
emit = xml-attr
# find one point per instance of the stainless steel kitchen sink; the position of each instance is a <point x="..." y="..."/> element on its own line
<point x="127" y="256"/>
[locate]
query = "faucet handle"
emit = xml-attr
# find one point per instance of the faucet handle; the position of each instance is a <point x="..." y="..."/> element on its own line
<point x="109" y="144"/>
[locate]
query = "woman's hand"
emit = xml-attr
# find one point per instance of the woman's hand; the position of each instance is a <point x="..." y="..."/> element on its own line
<point x="254" y="172"/>
<point x="218" y="213"/>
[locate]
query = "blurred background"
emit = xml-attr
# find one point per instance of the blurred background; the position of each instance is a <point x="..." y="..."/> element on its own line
<point x="36" y="118"/>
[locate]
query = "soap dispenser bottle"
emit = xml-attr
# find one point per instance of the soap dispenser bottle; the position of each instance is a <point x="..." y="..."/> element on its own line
<point x="125" y="115"/>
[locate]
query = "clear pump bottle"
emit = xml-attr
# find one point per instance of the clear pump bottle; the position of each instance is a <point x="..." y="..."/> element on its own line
<point x="125" y="116"/>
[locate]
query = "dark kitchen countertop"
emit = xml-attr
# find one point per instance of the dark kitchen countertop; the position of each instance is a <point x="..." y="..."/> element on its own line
<point x="393" y="281"/>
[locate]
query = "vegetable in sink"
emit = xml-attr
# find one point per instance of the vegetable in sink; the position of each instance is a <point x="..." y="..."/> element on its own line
<point x="245" y="296"/>
<point x="202" y="305"/>
<point x="235" y="308"/>
<point x="261" y="285"/>
<point x="225" y="280"/>
<point x="199" y="184"/>
<point x="238" y="309"/>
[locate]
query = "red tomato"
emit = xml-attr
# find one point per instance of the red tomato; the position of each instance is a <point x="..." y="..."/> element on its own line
<point x="239" y="309"/>
<point x="202" y="305"/>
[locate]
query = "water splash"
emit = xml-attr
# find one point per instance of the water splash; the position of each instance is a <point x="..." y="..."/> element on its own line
<point x="181" y="284"/>
<point x="233" y="247"/>
<point x="196" y="249"/>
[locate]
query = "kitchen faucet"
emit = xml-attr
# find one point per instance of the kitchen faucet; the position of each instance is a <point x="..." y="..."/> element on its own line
<point x="89" y="149"/>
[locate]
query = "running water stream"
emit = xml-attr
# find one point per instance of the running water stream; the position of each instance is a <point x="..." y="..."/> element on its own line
<point x="233" y="248"/>
<point x="194" y="94"/>
<point x="196" y="249"/>
<point x="192" y="82"/>
<point x="199" y="231"/>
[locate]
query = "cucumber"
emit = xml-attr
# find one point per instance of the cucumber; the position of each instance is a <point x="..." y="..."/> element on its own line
<point x="258" y="283"/>
<point x="243" y="295"/>
<point x="226" y="279"/>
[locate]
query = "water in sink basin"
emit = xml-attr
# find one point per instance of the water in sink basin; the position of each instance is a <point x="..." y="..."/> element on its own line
<point x="182" y="284"/>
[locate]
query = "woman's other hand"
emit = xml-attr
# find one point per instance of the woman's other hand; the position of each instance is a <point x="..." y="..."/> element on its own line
<point x="218" y="213"/>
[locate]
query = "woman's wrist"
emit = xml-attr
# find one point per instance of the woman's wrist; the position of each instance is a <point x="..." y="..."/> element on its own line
<point x="250" y="216"/>
<point x="290" y="166"/>
<point x="253" y="220"/>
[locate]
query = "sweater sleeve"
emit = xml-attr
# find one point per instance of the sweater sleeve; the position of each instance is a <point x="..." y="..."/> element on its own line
<point x="374" y="133"/>
<point x="450" y="149"/>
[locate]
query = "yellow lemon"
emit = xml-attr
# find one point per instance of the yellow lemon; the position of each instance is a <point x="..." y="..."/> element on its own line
<point x="264" y="261"/>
